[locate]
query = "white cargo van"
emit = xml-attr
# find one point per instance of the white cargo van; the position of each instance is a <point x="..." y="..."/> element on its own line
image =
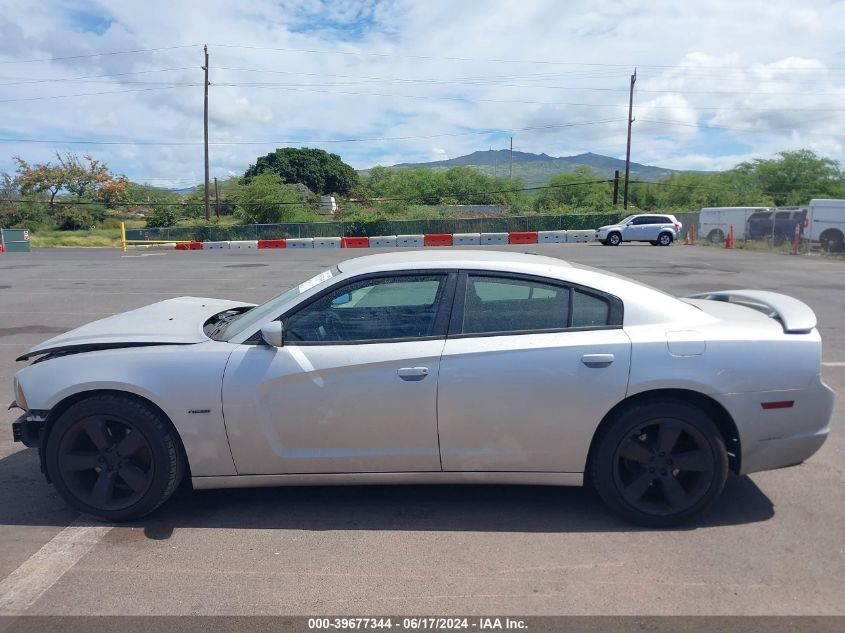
<point x="714" y="223"/>
<point x="826" y="223"/>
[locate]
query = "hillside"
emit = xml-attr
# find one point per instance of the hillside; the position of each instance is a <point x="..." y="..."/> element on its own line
<point x="535" y="169"/>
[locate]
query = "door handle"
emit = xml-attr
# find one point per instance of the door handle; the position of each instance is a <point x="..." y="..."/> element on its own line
<point x="597" y="360"/>
<point x="412" y="373"/>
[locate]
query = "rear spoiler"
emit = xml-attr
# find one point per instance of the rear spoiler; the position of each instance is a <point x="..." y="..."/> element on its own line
<point x="795" y="316"/>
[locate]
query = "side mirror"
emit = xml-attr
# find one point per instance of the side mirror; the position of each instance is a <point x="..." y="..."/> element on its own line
<point x="272" y="333"/>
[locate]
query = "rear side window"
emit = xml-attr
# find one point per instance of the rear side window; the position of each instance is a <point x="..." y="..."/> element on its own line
<point x="782" y="215"/>
<point x="761" y="215"/>
<point x="589" y="310"/>
<point x="497" y="304"/>
<point x="504" y="304"/>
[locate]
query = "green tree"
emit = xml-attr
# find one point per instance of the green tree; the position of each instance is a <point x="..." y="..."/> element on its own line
<point x="265" y="199"/>
<point x="162" y="216"/>
<point x="576" y="190"/>
<point x="795" y="177"/>
<point x="321" y="172"/>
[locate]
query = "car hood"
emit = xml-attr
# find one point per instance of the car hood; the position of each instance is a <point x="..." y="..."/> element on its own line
<point x="608" y="226"/>
<point x="171" y="322"/>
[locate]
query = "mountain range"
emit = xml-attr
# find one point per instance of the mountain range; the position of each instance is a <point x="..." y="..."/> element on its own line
<point x="536" y="169"/>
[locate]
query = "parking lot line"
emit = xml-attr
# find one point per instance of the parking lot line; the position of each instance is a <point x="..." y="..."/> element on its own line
<point x="20" y="589"/>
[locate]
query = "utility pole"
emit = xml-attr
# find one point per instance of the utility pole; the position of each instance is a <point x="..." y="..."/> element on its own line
<point x="205" y="130"/>
<point x="615" y="187"/>
<point x="628" y="150"/>
<point x="217" y="199"/>
<point x="511" y="172"/>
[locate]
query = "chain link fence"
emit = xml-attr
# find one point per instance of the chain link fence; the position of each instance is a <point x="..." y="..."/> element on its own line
<point x="759" y="228"/>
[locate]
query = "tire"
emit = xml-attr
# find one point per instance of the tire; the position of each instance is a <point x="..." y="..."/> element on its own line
<point x="614" y="239"/>
<point x="114" y="457"/>
<point x="664" y="239"/>
<point x="832" y="241"/>
<point x="639" y="478"/>
<point x="716" y="236"/>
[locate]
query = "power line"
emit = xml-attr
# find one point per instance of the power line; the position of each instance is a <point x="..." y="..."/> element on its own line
<point x="83" y="78"/>
<point x="102" y="54"/>
<point x="92" y="94"/>
<point x="315" y="141"/>
<point x="520" y="61"/>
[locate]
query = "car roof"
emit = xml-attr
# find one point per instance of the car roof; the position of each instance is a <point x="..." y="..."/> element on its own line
<point x="452" y="258"/>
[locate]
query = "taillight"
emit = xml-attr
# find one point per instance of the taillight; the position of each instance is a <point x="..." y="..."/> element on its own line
<point x="806" y="221"/>
<point x="677" y="226"/>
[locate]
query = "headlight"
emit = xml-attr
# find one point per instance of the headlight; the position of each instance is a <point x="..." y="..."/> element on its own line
<point x="20" y="398"/>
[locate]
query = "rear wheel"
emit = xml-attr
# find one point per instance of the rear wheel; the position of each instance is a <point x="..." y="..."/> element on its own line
<point x="614" y="239"/>
<point x="114" y="457"/>
<point x="832" y="240"/>
<point x="716" y="236"/>
<point x="664" y="239"/>
<point x="660" y="463"/>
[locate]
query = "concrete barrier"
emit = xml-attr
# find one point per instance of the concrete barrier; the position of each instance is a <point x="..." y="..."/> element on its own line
<point x="522" y="237"/>
<point x="466" y="239"/>
<point x="243" y="244"/>
<point x="212" y="246"/>
<point x="383" y="241"/>
<point x="327" y="242"/>
<point x="300" y="242"/>
<point x="272" y="244"/>
<point x="551" y="237"/>
<point x="438" y="239"/>
<point x="581" y="235"/>
<point x="410" y="241"/>
<point x="494" y="238"/>
<point x="355" y="242"/>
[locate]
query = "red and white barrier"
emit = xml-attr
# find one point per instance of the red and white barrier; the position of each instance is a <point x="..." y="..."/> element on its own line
<point x="399" y="241"/>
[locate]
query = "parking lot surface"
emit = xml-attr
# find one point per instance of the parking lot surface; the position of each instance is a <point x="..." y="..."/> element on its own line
<point x="773" y="544"/>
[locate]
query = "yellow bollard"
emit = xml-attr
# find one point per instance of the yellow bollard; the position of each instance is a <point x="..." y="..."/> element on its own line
<point x="123" y="236"/>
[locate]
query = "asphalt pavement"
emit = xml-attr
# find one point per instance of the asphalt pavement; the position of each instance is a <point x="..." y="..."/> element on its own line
<point x="773" y="544"/>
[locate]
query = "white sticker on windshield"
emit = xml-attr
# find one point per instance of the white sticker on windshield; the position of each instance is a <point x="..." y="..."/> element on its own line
<point x="305" y="285"/>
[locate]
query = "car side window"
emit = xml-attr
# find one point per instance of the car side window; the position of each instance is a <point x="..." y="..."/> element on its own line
<point x="639" y="221"/>
<point x="589" y="310"/>
<point x="782" y="215"/>
<point x="501" y="304"/>
<point x="373" y="309"/>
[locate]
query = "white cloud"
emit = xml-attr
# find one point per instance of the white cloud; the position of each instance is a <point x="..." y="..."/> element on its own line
<point x="759" y="76"/>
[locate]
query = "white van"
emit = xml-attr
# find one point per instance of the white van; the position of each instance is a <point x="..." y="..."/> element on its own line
<point x="826" y="223"/>
<point x="714" y="223"/>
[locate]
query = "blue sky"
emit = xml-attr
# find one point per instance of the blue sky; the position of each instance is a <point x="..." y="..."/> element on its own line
<point x="388" y="81"/>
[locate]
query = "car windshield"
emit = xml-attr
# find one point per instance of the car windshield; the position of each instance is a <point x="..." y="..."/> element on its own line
<point x="628" y="219"/>
<point x="255" y="317"/>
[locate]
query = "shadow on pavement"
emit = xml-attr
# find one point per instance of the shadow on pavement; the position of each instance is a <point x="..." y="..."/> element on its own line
<point x="26" y="499"/>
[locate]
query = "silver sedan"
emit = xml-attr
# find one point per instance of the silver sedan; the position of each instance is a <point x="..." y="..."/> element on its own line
<point x="431" y="367"/>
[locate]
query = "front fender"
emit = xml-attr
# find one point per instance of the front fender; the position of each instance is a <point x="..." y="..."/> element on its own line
<point x="184" y="381"/>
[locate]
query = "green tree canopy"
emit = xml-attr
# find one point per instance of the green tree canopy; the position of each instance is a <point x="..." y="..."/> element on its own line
<point x="265" y="199"/>
<point x="795" y="177"/>
<point x="318" y="170"/>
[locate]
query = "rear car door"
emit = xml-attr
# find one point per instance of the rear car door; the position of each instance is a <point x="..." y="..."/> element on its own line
<point x="354" y="386"/>
<point x="530" y="367"/>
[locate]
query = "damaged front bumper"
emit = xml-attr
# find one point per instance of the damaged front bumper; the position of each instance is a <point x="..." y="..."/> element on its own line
<point x="27" y="428"/>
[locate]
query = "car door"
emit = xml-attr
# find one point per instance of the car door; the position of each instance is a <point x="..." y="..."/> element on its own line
<point x="529" y="369"/>
<point x="651" y="227"/>
<point x="634" y="231"/>
<point x="353" y="387"/>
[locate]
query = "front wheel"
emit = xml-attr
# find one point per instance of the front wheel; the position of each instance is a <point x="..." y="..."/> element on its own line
<point x="660" y="463"/>
<point x="114" y="457"/>
<point x="614" y="239"/>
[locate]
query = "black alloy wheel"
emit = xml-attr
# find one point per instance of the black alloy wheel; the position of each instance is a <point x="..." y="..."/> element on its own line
<point x="114" y="457"/>
<point x="106" y="462"/>
<point x="659" y="463"/>
<point x="664" y="467"/>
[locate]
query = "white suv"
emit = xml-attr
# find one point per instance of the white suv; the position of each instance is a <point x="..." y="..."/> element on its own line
<point x="659" y="229"/>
